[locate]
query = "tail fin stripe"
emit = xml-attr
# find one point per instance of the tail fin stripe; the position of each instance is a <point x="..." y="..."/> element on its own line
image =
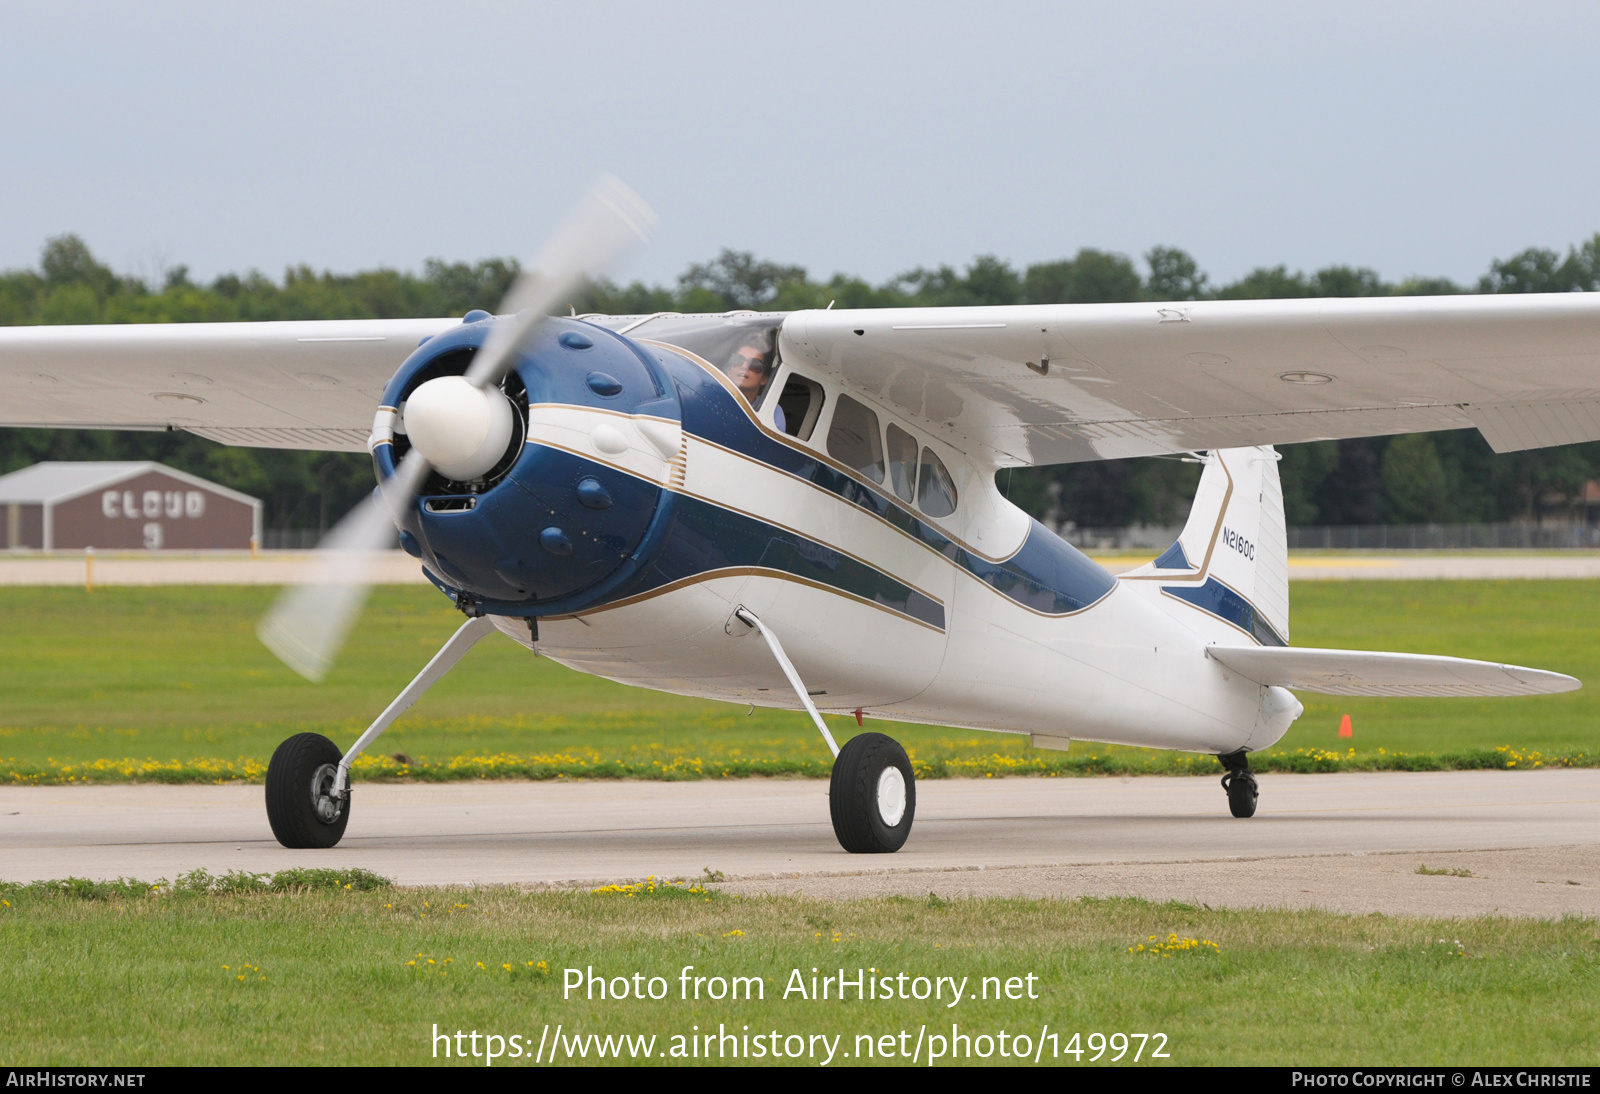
<point x="1173" y="558"/>
<point x="1228" y="605"/>
<point x="1211" y="545"/>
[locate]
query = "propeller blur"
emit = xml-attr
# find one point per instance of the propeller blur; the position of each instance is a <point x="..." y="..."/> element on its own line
<point x="461" y="426"/>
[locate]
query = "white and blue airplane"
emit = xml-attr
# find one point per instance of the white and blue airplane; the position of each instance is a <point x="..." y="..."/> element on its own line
<point x="800" y="510"/>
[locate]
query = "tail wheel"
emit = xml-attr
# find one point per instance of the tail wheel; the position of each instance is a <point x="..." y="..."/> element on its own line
<point x="872" y="796"/>
<point x="301" y="805"/>
<point x="1242" y="793"/>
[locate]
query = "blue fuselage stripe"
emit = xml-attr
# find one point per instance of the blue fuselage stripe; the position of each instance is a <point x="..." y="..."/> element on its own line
<point x="706" y="538"/>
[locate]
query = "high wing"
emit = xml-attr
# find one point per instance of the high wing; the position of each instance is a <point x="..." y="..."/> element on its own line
<point x="311" y="385"/>
<point x="1069" y="383"/>
<point x="1010" y="386"/>
<point x="1359" y="672"/>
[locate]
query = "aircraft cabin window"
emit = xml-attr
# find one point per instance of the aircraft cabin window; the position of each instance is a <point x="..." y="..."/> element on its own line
<point x="936" y="493"/>
<point x="854" y="440"/>
<point x="902" y="462"/>
<point x="799" y="406"/>
<point x="750" y="367"/>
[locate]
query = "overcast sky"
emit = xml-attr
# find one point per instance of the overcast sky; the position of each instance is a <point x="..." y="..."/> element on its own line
<point x="1421" y="138"/>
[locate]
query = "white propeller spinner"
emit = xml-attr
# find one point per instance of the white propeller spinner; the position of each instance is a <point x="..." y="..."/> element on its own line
<point x="458" y="427"/>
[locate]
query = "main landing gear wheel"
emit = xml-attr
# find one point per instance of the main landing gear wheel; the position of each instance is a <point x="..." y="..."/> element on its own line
<point x="872" y="796"/>
<point x="1240" y="784"/>
<point x="301" y="806"/>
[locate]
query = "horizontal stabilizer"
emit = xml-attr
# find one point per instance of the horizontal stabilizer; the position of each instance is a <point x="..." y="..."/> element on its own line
<point x="1359" y="672"/>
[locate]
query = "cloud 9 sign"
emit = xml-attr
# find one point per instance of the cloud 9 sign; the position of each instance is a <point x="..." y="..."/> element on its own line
<point x="70" y="506"/>
<point x="150" y="506"/>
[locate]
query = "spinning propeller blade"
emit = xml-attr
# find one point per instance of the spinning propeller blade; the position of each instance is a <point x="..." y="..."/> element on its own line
<point x="609" y="217"/>
<point x="309" y="623"/>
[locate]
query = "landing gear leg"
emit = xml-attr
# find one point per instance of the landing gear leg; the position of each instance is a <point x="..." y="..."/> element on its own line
<point x="1240" y="784"/>
<point x="872" y="796"/>
<point x="308" y="781"/>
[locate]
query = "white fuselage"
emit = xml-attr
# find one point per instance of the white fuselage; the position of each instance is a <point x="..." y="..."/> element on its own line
<point x="1122" y="669"/>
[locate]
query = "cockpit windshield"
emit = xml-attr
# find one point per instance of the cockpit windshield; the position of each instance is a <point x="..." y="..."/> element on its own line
<point x="743" y="346"/>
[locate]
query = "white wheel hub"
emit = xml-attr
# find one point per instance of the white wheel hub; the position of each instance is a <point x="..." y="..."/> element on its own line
<point x="891" y="796"/>
<point x="323" y="803"/>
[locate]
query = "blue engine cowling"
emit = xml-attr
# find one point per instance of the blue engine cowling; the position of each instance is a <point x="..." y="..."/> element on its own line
<point x="545" y="532"/>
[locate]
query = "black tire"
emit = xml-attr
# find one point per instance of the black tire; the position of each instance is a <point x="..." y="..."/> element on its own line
<point x="1242" y="793"/>
<point x="854" y="799"/>
<point x="300" y="767"/>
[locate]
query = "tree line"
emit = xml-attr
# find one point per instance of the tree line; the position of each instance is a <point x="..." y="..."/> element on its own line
<point x="1451" y="476"/>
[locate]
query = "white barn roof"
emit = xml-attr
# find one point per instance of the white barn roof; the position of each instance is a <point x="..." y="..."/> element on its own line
<point x="53" y="482"/>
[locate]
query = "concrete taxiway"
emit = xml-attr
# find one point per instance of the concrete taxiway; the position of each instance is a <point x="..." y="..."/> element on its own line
<point x="1349" y="842"/>
<point x="181" y="568"/>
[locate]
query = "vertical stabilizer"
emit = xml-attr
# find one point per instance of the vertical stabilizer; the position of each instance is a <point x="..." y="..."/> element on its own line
<point x="1228" y="573"/>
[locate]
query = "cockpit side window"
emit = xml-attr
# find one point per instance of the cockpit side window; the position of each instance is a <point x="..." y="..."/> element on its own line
<point x="902" y="462"/>
<point x="743" y="346"/>
<point x="750" y="366"/>
<point x="936" y="490"/>
<point x="799" y="406"/>
<point x="854" y="439"/>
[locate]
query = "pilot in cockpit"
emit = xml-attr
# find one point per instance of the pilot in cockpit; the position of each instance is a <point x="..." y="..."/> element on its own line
<point x="750" y="369"/>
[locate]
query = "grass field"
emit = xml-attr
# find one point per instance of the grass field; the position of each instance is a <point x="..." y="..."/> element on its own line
<point x="329" y="975"/>
<point x="170" y="683"/>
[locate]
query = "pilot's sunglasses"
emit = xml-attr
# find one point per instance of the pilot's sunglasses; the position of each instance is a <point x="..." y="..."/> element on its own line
<point x="754" y="364"/>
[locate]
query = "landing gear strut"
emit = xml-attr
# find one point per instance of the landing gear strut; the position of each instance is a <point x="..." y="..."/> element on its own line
<point x="308" y="781"/>
<point x="1240" y="784"/>
<point x="872" y="795"/>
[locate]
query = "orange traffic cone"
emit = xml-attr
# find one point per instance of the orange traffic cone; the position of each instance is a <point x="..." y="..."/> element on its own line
<point x="1344" y="727"/>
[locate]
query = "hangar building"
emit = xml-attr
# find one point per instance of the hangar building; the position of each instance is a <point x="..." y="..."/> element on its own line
<point x="124" y="505"/>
